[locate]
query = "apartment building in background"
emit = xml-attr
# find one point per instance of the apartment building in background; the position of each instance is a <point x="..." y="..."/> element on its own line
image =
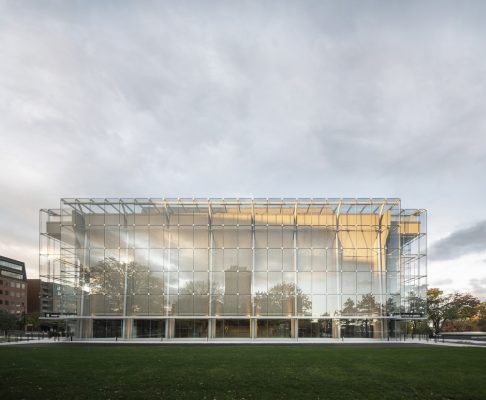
<point x="13" y="286"/>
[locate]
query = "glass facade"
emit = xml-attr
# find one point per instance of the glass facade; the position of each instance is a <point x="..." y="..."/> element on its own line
<point x="234" y="268"/>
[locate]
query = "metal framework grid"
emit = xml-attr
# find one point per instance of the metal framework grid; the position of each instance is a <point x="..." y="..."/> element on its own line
<point x="352" y="266"/>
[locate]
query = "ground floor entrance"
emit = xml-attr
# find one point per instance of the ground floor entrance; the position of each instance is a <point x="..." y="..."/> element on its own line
<point x="238" y="328"/>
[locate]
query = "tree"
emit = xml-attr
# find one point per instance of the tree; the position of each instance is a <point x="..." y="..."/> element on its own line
<point x="449" y="308"/>
<point x="115" y="280"/>
<point x="280" y="300"/>
<point x="32" y="320"/>
<point x="195" y="296"/>
<point x="417" y="307"/>
<point x="368" y="305"/>
<point x="464" y="306"/>
<point x="391" y="307"/>
<point x="349" y="308"/>
<point x="436" y="308"/>
<point x="7" y="321"/>
<point x="481" y="317"/>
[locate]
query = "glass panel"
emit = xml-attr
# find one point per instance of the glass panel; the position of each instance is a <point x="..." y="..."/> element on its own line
<point x="185" y="304"/>
<point x="304" y="237"/>
<point x="304" y="260"/>
<point x="232" y="328"/>
<point x="186" y="218"/>
<point x="244" y="238"/>
<point x="319" y="282"/>
<point x="107" y="328"/>
<point x="186" y="237"/>
<point x="288" y="237"/>
<point x="230" y="237"/>
<point x="364" y="282"/>
<point x="273" y="328"/>
<point x="260" y="260"/>
<point x="218" y="237"/>
<point x="156" y="283"/>
<point x="156" y="260"/>
<point x="244" y="305"/>
<point x="230" y="304"/>
<point x="147" y="328"/>
<point x="186" y="283"/>
<point x="288" y="260"/>
<point x="186" y="260"/>
<point x="318" y="259"/>
<point x="189" y="328"/>
<point x="201" y="304"/>
<point x="96" y="237"/>
<point x="245" y="259"/>
<point x="201" y="260"/>
<point x="319" y="306"/>
<point x="112" y="237"/>
<point x="274" y="260"/>
<point x="201" y="238"/>
<point x="315" y="328"/>
<point x="139" y="304"/>
<point x="260" y="281"/>
<point x="261" y="237"/>
<point x="157" y="236"/>
<point x="304" y="281"/>
<point x="230" y="258"/>
<point x="217" y="259"/>
<point x="141" y="237"/>
<point x="349" y="282"/>
<point x="333" y="305"/>
<point x="157" y="305"/>
<point x="275" y="237"/>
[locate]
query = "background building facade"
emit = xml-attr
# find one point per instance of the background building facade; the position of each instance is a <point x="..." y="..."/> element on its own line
<point x="13" y="286"/>
<point x="222" y="268"/>
<point x="39" y="296"/>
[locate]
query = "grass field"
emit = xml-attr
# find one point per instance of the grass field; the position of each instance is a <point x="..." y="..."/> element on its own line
<point x="242" y="372"/>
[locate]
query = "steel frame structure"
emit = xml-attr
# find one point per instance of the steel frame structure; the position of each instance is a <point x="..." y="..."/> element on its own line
<point x="359" y="264"/>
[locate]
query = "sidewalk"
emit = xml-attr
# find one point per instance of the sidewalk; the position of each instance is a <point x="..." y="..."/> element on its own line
<point x="215" y="342"/>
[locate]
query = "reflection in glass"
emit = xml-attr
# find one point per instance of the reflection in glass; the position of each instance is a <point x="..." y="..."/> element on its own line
<point x="225" y="267"/>
<point x="273" y="328"/>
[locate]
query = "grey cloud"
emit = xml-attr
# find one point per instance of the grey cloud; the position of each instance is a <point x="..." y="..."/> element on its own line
<point x="271" y="99"/>
<point x="459" y="243"/>
<point x="478" y="287"/>
<point x="440" y="282"/>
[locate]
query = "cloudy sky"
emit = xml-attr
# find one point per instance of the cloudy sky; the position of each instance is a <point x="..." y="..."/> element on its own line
<point x="272" y="98"/>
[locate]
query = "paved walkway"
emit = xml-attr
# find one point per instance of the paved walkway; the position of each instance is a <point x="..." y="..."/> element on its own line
<point x="277" y="342"/>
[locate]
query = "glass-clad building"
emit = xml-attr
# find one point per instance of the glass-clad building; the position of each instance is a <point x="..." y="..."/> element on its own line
<point x="234" y="268"/>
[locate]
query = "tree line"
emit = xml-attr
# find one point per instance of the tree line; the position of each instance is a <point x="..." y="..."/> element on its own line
<point x="454" y="312"/>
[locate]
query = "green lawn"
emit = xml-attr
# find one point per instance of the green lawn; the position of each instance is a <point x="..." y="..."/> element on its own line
<point x="242" y="372"/>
